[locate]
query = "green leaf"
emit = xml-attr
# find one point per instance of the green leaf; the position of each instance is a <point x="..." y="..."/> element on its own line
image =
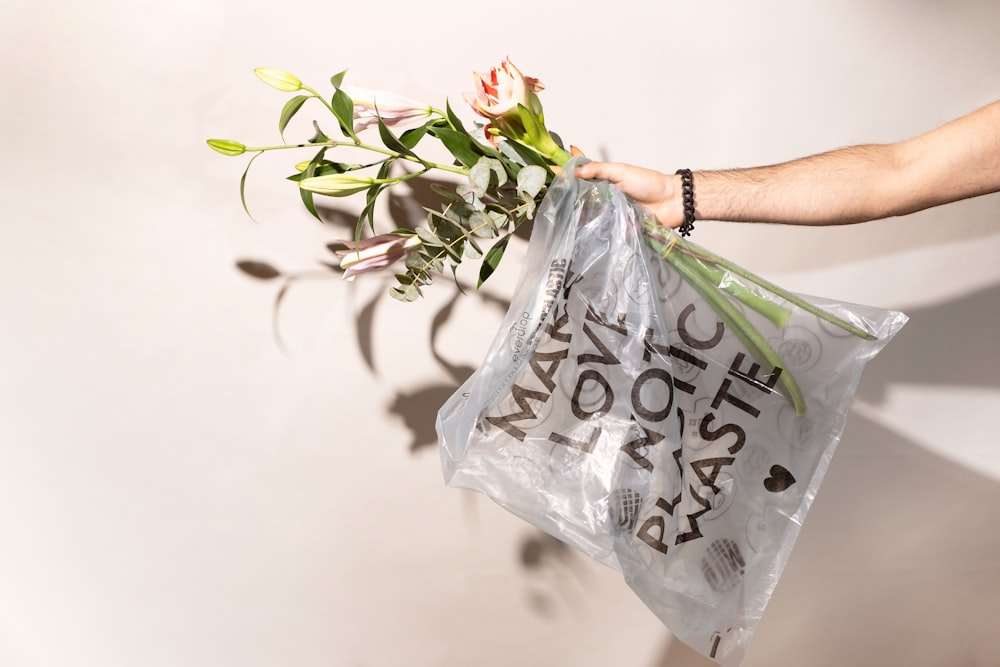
<point x="531" y="124"/>
<point x="498" y="168"/>
<point x="529" y="155"/>
<point x="492" y="260"/>
<point x="472" y="249"/>
<point x="310" y="171"/>
<point x="319" y="137"/>
<point x="412" y="137"/>
<point x="405" y="293"/>
<point x="289" y="110"/>
<point x="482" y="225"/>
<point x="343" y="109"/>
<point x="500" y="220"/>
<point x="479" y="176"/>
<point x="337" y="79"/>
<point x="448" y="194"/>
<point x="416" y="261"/>
<point x="462" y="148"/>
<point x="371" y="197"/>
<point x="454" y="253"/>
<point x="390" y="141"/>
<point x="453" y="118"/>
<point x="529" y="208"/>
<point x="481" y="173"/>
<point x="243" y="185"/>
<point x="429" y="238"/>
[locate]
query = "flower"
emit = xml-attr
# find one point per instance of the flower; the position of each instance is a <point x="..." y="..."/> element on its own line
<point x="279" y="78"/>
<point x="376" y="253"/>
<point x="393" y="109"/>
<point x="499" y="92"/>
<point x="507" y="98"/>
<point x="337" y="185"/>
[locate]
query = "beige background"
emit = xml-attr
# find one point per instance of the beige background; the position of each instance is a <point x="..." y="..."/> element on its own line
<point x="176" y="488"/>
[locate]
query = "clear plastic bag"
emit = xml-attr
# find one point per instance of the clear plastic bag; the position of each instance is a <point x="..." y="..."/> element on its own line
<point x="621" y="411"/>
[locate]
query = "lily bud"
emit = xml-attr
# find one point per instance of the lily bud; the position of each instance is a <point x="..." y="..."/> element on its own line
<point x="337" y="185"/>
<point x="393" y="109"/>
<point x="376" y="253"/>
<point x="227" y="146"/>
<point x="279" y="78"/>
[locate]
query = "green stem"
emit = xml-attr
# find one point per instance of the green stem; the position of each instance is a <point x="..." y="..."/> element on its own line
<point x="320" y="98"/>
<point x="779" y="291"/>
<point x="368" y="147"/>
<point x="778" y="315"/>
<point x="752" y="339"/>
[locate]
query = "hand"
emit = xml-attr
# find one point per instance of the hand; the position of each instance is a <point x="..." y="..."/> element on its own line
<point x="658" y="192"/>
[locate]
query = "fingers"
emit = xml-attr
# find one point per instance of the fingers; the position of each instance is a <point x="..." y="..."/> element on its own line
<point x="608" y="171"/>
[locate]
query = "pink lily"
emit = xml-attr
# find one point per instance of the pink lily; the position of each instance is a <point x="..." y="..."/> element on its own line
<point x="375" y="253"/>
<point x="502" y="89"/>
<point x="393" y="109"/>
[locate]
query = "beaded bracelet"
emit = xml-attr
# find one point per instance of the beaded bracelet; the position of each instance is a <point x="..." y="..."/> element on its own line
<point x="687" y="190"/>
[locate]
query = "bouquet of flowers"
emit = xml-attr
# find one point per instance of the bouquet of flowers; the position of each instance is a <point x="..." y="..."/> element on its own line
<point x="641" y="386"/>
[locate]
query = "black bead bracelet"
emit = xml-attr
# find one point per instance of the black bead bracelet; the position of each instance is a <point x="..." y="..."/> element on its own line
<point x="687" y="190"/>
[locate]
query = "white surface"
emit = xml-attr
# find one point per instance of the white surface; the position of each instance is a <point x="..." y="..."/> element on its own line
<point x="176" y="490"/>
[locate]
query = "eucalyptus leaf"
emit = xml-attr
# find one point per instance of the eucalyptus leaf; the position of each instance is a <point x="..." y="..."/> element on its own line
<point x="472" y="249"/>
<point x="429" y="238"/>
<point x="405" y="293"/>
<point x="449" y="194"/>
<point x="500" y="220"/>
<point x="417" y="261"/>
<point x="453" y="252"/>
<point x="498" y="169"/>
<point x="531" y="180"/>
<point x="482" y="225"/>
<point x="479" y="176"/>
<point x="528" y="210"/>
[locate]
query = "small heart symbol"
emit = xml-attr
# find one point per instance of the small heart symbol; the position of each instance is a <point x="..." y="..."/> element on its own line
<point x="779" y="480"/>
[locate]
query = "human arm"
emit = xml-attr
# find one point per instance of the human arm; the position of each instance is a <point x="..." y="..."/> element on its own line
<point x="958" y="160"/>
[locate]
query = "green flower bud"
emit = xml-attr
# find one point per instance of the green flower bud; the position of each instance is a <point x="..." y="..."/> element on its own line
<point x="227" y="147"/>
<point x="337" y="185"/>
<point x="279" y="78"/>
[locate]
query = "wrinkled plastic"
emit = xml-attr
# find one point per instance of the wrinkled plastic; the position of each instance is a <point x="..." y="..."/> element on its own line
<point x="617" y="411"/>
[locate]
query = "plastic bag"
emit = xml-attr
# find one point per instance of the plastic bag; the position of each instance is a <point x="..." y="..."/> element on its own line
<point x="620" y="412"/>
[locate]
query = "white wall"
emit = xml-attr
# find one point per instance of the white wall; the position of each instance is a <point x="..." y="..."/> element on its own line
<point x="177" y="489"/>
